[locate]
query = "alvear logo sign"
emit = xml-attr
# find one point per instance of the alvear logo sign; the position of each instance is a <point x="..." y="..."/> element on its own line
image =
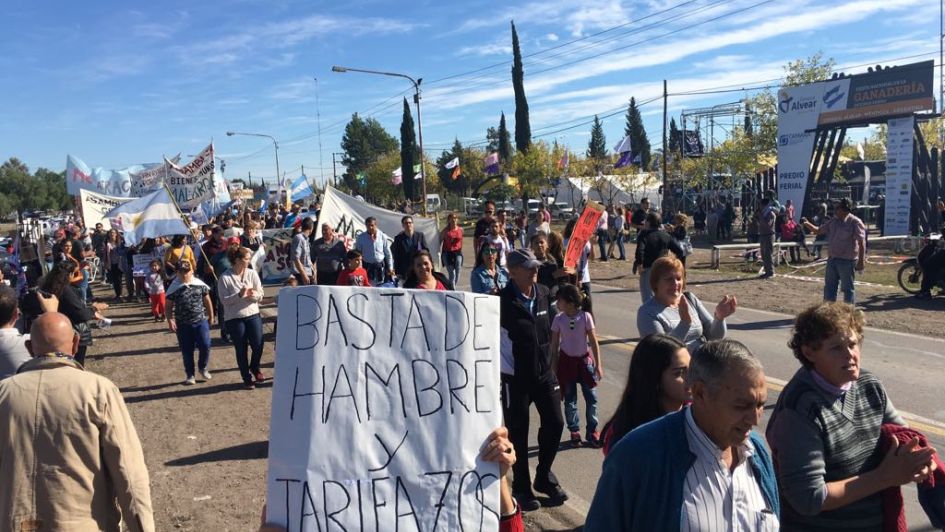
<point x="788" y="103"/>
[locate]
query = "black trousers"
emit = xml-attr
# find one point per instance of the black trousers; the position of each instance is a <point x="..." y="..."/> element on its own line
<point x="517" y="397"/>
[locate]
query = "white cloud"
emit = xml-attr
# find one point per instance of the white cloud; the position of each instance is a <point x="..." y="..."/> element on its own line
<point x="499" y="46"/>
<point x="551" y="37"/>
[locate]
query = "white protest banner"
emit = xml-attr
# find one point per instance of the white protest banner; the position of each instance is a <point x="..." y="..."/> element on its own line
<point x="95" y="206"/>
<point x="382" y="400"/>
<point x="141" y="262"/>
<point x="346" y="215"/>
<point x="150" y="179"/>
<point x="101" y="180"/>
<point x="193" y="183"/>
<point x="274" y="265"/>
<point x="899" y="147"/>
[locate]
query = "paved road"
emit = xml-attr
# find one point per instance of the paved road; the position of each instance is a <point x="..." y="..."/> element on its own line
<point x="910" y="367"/>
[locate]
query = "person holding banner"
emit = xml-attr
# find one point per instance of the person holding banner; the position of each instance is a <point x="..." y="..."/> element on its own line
<point x="328" y="252"/>
<point x="424" y="276"/>
<point x="406" y="245"/>
<point x="375" y="252"/>
<point x="240" y="292"/>
<point x="527" y="377"/>
<point x="300" y="254"/>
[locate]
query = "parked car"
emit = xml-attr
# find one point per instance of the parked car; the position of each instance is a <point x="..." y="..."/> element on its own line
<point x="562" y="211"/>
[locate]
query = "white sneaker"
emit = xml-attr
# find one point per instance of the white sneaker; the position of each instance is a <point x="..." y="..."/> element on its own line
<point x="205" y="374"/>
<point x="190" y="381"/>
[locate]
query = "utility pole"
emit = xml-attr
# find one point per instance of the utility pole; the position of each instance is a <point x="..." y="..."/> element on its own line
<point x="665" y="150"/>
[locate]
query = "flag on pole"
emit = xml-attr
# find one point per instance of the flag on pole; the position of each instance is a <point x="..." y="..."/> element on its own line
<point x="563" y="163"/>
<point x="397" y="176"/>
<point x="454" y="166"/>
<point x="300" y="188"/>
<point x="416" y="171"/>
<point x="625" y="149"/>
<point x="149" y="216"/>
<point x="491" y="163"/>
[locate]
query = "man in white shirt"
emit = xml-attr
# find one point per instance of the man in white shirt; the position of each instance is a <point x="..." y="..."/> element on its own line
<point x="375" y="252"/>
<point x="13" y="351"/>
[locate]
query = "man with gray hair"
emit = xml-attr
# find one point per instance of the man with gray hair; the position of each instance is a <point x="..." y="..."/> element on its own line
<point x="702" y="468"/>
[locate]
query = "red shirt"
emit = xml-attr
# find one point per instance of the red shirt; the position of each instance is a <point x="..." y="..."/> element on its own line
<point x="439" y="286"/>
<point x="358" y="277"/>
<point x="453" y="239"/>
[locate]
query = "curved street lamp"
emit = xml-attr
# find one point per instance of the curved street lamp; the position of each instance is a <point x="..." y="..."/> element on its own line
<point x="275" y="144"/>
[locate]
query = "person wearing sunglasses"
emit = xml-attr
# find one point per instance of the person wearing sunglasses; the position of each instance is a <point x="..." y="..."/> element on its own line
<point x="488" y="277"/>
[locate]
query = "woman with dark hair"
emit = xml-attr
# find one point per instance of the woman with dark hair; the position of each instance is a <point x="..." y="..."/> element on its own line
<point x="240" y="291"/>
<point x="178" y="251"/>
<point x="423" y="275"/>
<point x="488" y="277"/>
<point x="451" y="239"/>
<point x="59" y="282"/>
<point x="656" y="385"/>
<point x="113" y="269"/>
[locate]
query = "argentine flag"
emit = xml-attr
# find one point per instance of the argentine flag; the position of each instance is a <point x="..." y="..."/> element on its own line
<point x="301" y="188"/>
<point x="149" y="216"/>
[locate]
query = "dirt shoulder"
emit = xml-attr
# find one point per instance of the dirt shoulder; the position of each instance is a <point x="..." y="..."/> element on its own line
<point x="794" y="288"/>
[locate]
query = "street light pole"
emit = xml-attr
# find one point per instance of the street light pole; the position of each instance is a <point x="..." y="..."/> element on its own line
<point x="275" y="144"/>
<point x="416" y="99"/>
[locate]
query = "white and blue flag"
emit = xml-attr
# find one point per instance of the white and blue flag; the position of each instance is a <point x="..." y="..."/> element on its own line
<point x="149" y="216"/>
<point x="301" y="189"/>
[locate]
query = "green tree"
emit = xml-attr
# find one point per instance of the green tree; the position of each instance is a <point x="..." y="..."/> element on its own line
<point x="408" y="148"/>
<point x="532" y="169"/>
<point x="492" y="139"/>
<point x="505" y="146"/>
<point x="458" y="185"/>
<point x="597" y="146"/>
<point x="675" y="139"/>
<point x="637" y="133"/>
<point x="54" y="184"/>
<point x="523" y="129"/>
<point x="378" y="187"/>
<point x="363" y="142"/>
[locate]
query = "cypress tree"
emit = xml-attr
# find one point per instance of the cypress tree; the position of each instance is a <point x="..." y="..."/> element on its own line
<point x="597" y="146"/>
<point x="408" y="145"/>
<point x="635" y="130"/>
<point x="523" y="130"/>
<point x="675" y="138"/>
<point x="504" y="148"/>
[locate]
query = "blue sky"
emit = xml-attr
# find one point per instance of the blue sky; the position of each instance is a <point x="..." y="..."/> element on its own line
<point x="117" y="83"/>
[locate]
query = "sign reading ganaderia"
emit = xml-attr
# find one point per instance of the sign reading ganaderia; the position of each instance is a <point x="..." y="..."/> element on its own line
<point x="879" y="95"/>
<point x="382" y="401"/>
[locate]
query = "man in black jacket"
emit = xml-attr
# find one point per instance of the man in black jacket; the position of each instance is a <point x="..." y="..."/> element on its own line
<point x="653" y="243"/>
<point x="406" y="244"/>
<point x="527" y="378"/>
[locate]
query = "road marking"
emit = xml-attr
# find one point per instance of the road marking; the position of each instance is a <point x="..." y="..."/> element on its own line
<point x="926" y="425"/>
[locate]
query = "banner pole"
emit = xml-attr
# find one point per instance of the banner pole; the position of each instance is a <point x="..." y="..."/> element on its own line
<point x="186" y="221"/>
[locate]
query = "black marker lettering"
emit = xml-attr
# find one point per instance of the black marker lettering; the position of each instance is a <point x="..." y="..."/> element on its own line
<point x="464" y="322"/>
<point x="400" y="488"/>
<point x="390" y="455"/>
<point x="477" y="324"/>
<point x="422" y="326"/>
<point x="368" y="325"/>
<point x="367" y="387"/>
<point x="332" y="306"/>
<point x="439" y="504"/>
<point x="341" y="369"/>
<point x="287" y="481"/>
<point x="374" y="481"/>
<point x="306" y="494"/>
<point x="391" y="295"/>
<point x="431" y="388"/>
<point x="476" y="386"/>
<point x="295" y="393"/>
<point x="301" y="326"/>
<point x="453" y="389"/>
<point x="331" y="514"/>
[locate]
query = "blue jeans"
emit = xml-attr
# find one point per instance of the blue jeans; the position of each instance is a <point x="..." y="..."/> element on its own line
<point x="603" y="238"/>
<point x="839" y="271"/>
<point x="571" y="417"/>
<point x="621" y="248"/>
<point x="191" y="336"/>
<point x="452" y="271"/>
<point x="246" y="334"/>
<point x="84" y="286"/>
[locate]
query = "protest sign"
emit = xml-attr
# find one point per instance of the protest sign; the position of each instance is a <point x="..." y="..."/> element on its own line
<point x="193" y="183"/>
<point x="141" y="262"/>
<point x="101" y="180"/>
<point x="150" y="179"/>
<point x="382" y="399"/>
<point x="584" y="229"/>
<point x="274" y="266"/>
<point x="95" y="206"/>
<point x="346" y="215"/>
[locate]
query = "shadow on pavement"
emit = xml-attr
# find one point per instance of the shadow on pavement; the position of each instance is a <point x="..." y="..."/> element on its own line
<point x="256" y="450"/>
<point x="201" y="388"/>
<point x="611" y="341"/>
<point x="761" y="325"/>
<point x="900" y="301"/>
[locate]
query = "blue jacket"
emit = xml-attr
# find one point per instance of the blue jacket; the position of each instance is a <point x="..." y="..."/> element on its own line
<point x="641" y="486"/>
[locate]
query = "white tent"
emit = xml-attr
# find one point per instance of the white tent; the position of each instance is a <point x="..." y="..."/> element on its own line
<point x="571" y="190"/>
<point x="622" y="189"/>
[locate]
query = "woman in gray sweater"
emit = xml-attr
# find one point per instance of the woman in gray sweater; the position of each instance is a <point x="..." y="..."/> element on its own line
<point x="680" y="314"/>
<point x="825" y="428"/>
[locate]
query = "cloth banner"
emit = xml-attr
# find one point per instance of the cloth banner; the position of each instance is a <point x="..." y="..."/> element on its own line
<point x="150" y="179"/>
<point x="382" y="400"/>
<point x="346" y="215"/>
<point x="195" y="182"/>
<point x="273" y="263"/>
<point x="899" y="146"/>
<point x="101" y="180"/>
<point x="141" y="262"/>
<point x="148" y="217"/>
<point x="584" y="229"/>
<point x="95" y="207"/>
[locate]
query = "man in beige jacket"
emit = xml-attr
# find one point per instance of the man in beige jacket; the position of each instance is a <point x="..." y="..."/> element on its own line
<point x="69" y="454"/>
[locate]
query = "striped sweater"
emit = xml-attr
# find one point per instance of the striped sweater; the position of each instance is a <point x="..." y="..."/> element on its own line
<point x="817" y="438"/>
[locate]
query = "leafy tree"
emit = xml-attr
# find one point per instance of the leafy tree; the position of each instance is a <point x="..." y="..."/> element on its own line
<point x="637" y="133"/>
<point x="363" y="142"/>
<point x="597" y="146"/>
<point x="532" y="169"/>
<point x="505" y="147"/>
<point x="408" y="148"/>
<point x="378" y="186"/>
<point x="523" y="130"/>
<point x="492" y="137"/>
<point x="501" y="192"/>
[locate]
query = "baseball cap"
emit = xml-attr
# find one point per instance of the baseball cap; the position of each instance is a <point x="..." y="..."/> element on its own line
<point x="233" y="240"/>
<point x="524" y="258"/>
